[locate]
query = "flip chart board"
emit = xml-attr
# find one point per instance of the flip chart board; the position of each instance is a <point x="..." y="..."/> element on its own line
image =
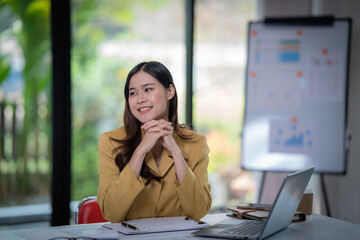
<point x="296" y="95"/>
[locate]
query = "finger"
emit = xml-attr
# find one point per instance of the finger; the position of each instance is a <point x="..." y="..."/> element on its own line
<point x="157" y="122"/>
<point x="167" y="127"/>
<point x="153" y="129"/>
<point x="161" y="124"/>
<point x="152" y="123"/>
<point x="159" y="129"/>
<point x="164" y="133"/>
<point x="164" y="122"/>
<point x="147" y="125"/>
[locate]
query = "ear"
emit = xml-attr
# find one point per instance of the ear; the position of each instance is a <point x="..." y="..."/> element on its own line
<point x="171" y="92"/>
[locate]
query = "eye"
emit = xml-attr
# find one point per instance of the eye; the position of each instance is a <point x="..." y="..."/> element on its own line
<point x="132" y="93"/>
<point x="148" y="89"/>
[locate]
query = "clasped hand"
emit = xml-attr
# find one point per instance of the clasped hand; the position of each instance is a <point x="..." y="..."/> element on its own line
<point x="158" y="131"/>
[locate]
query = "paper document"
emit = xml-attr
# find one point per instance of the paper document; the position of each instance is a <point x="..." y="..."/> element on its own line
<point x="101" y="233"/>
<point x="156" y="225"/>
<point x="183" y="235"/>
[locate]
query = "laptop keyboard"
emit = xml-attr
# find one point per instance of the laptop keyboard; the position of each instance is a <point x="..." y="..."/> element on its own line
<point x="249" y="228"/>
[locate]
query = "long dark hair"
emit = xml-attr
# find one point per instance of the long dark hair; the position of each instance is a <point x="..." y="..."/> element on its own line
<point x="133" y="126"/>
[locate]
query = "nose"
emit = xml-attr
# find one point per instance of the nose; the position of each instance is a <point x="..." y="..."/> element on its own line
<point x="141" y="98"/>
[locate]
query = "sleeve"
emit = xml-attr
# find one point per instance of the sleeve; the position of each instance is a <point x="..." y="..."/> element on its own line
<point x="117" y="191"/>
<point x="194" y="190"/>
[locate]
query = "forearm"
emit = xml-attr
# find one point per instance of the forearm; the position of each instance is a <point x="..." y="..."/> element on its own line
<point x="116" y="197"/>
<point x="180" y="165"/>
<point x="194" y="196"/>
<point x="136" y="161"/>
<point x="194" y="190"/>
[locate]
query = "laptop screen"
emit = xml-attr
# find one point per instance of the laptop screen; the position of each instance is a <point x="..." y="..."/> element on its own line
<point x="287" y="201"/>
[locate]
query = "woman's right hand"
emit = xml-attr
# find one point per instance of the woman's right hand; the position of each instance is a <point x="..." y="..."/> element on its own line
<point x="154" y="130"/>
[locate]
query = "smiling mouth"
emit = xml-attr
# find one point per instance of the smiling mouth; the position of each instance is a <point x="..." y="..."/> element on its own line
<point x="144" y="109"/>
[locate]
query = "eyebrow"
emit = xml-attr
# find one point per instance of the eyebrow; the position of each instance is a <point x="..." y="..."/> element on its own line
<point x="142" y="86"/>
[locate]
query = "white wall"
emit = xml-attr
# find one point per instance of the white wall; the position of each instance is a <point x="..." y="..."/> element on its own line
<point x="343" y="190"/>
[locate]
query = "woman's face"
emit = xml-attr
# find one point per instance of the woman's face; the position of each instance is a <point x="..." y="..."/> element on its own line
<point x="148" y="98"/>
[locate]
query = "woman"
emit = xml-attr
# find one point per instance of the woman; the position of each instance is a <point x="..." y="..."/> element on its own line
<point x="152" y="167"/>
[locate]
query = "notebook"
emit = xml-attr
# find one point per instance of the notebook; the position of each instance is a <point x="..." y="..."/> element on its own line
<point x="156" y="225"/>
<point x="259" y="213"/>
<point x="280" y="216"/>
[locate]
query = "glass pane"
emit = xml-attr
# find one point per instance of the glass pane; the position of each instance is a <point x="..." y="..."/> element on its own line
<point x="25" y="104"/>
<point x="109" y="38"/>
<point x="219" y="70"/>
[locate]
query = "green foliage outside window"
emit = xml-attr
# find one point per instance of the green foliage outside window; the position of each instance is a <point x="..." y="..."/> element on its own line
<point x="97" y="81"/>
<point x="24" y="172"/>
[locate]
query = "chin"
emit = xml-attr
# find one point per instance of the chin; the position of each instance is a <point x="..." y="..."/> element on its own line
<point x="145" y="120"/>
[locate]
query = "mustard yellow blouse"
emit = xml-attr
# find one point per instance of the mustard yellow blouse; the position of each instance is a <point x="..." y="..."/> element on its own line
<point x="122" y="196"/>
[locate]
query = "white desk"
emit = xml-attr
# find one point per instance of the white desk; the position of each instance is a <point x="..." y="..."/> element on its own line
<point x="317" y="227"/>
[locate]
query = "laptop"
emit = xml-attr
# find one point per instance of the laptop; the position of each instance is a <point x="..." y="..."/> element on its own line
<point x="280" y="216"/>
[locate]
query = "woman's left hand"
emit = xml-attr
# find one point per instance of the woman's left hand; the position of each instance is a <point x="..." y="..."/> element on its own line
<point x="166" y="141"/>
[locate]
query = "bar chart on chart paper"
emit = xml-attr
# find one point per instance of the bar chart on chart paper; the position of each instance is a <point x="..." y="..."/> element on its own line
<point x="292" y="136"/>
<point x="295" y="140"/>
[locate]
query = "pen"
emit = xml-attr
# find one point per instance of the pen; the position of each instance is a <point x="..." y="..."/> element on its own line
<point x="130" y="226"/>
<point x="199" y="222"/>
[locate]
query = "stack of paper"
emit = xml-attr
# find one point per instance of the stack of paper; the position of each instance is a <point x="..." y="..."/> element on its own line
<point x="156" y="225"/>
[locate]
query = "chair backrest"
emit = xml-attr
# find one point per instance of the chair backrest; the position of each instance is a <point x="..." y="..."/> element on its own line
<point x="88" y="211"/>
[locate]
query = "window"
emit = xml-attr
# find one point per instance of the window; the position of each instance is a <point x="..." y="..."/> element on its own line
<point x="25" y="104"/>
<point x="219" y="71"/>
<point x="109" y="39"/>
